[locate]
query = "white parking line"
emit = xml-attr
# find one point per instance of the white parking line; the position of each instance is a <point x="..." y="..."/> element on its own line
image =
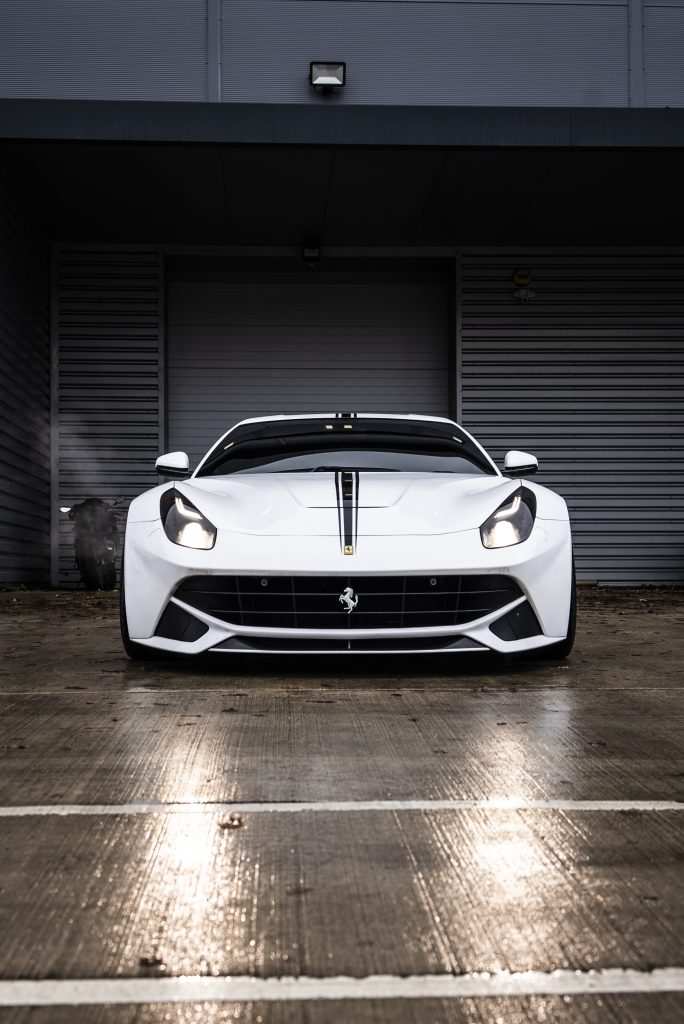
<point x="378" y="986"/>
<point x="337" y="806"/>
<point x="497" y="687"/>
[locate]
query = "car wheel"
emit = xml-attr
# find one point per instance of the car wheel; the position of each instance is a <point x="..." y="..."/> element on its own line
<point x="87" y="566"/>
<point x="108" y="575"/>
<point x="136" y="652"/>
<point x="563" y="647"/>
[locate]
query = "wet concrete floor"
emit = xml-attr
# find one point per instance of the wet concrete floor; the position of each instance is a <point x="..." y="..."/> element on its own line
<point x="319" y="893"/>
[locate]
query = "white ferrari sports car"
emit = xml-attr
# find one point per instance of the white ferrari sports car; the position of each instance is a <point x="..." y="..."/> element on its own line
<point x="347" y="533"/>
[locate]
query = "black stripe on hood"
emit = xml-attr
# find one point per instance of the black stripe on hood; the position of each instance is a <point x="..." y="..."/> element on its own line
<point x="347" y="491"/>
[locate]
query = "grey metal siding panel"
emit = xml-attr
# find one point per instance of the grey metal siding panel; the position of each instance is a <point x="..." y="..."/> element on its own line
<point x="589" y="376"/>
<point x="112" y="49"/>
<point x="254" y="344"/>
<point x="637" y="95"/>
<point x="24" y="397"/>
<point x="428" y="53"/>
<point x="109" y="306"/>
<point x="664" y="55"/>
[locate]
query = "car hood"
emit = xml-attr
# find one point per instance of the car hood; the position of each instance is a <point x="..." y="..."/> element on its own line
<point x="300" y="504"/>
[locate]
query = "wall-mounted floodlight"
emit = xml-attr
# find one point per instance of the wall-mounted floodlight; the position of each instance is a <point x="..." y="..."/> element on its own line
<point x="311" y="254"/>
<point x="327" y="75"/>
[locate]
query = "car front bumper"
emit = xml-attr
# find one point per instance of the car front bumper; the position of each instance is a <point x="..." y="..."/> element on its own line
<point x="541" y="566"/>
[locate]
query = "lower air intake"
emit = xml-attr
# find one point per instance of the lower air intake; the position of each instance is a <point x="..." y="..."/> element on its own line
<point x="517" y="624"/>
<point x="176" y="624"/>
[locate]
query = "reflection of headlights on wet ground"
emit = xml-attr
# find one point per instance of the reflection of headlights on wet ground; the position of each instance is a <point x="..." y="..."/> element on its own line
<point x="186" y="840"/>
<point x="511" y="858"/>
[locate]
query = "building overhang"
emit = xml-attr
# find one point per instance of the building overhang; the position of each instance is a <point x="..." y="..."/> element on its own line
<point x="342" y="125"/>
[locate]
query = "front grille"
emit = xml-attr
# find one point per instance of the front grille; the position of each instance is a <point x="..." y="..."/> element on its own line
<point x="313" y="602"/>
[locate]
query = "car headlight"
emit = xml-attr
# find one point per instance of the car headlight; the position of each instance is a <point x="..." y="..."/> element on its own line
<point x="512" y="522"/>
<point x="184" y="524"/>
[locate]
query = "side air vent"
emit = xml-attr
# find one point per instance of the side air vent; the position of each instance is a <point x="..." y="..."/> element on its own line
<point x="176" y="624"/>
<point x="517" y="624"/>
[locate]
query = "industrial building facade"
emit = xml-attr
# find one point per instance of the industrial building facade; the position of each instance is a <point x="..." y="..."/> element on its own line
<point x="486" y="222"/>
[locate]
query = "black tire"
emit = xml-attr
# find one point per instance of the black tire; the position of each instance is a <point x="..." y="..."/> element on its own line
<point x="89" y="570"/>
<point x="96" y="573"/>
<point x="108" y="575"/>
<point x="563" y="647"/>
<point x="136" y="652"/>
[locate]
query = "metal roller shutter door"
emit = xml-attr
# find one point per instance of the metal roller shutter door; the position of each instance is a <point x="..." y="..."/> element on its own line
<point x="108" y="329"/>
<point x="259" y="343"/>
<point x="589" y="375"/>
<point x="24" y="398"/>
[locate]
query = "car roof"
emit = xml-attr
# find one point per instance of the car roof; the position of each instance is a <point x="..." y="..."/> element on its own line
<point x="343" y="415"/>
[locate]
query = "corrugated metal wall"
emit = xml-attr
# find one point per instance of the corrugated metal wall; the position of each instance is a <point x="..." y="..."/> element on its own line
<point x="104" y="49"/>
<point x="589" y="375"/>
<point x="256" y="343"/>
<point x="664" y="52"/>
<point x="586" y="53"/>
<point x="108" y="328"/>
<point x="24" y="397"/>
<point x="508" y="54"/>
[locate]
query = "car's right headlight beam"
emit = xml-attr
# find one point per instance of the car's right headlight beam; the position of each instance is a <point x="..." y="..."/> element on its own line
<point x="184" y="524"/>
<point x="512" y="522"/>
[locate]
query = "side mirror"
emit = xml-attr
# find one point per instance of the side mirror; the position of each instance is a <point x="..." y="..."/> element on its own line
<point x="174" y="465"/>
<point x="520" y="464"/>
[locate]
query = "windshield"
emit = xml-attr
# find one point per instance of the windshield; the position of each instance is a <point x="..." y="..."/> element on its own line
<point x="367" y="451"/>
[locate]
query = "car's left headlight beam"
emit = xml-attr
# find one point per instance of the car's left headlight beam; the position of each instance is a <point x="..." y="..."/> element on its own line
<point x="184" y="524"/>
<point x="512" y="522"/>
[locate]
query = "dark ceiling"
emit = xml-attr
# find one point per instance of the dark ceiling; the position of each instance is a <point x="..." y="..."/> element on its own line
<point x="280" y="195"/>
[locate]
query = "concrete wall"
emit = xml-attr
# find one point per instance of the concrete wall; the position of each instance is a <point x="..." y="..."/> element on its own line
<point x="24" y="396"/>
<point x="585" y="53"/>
